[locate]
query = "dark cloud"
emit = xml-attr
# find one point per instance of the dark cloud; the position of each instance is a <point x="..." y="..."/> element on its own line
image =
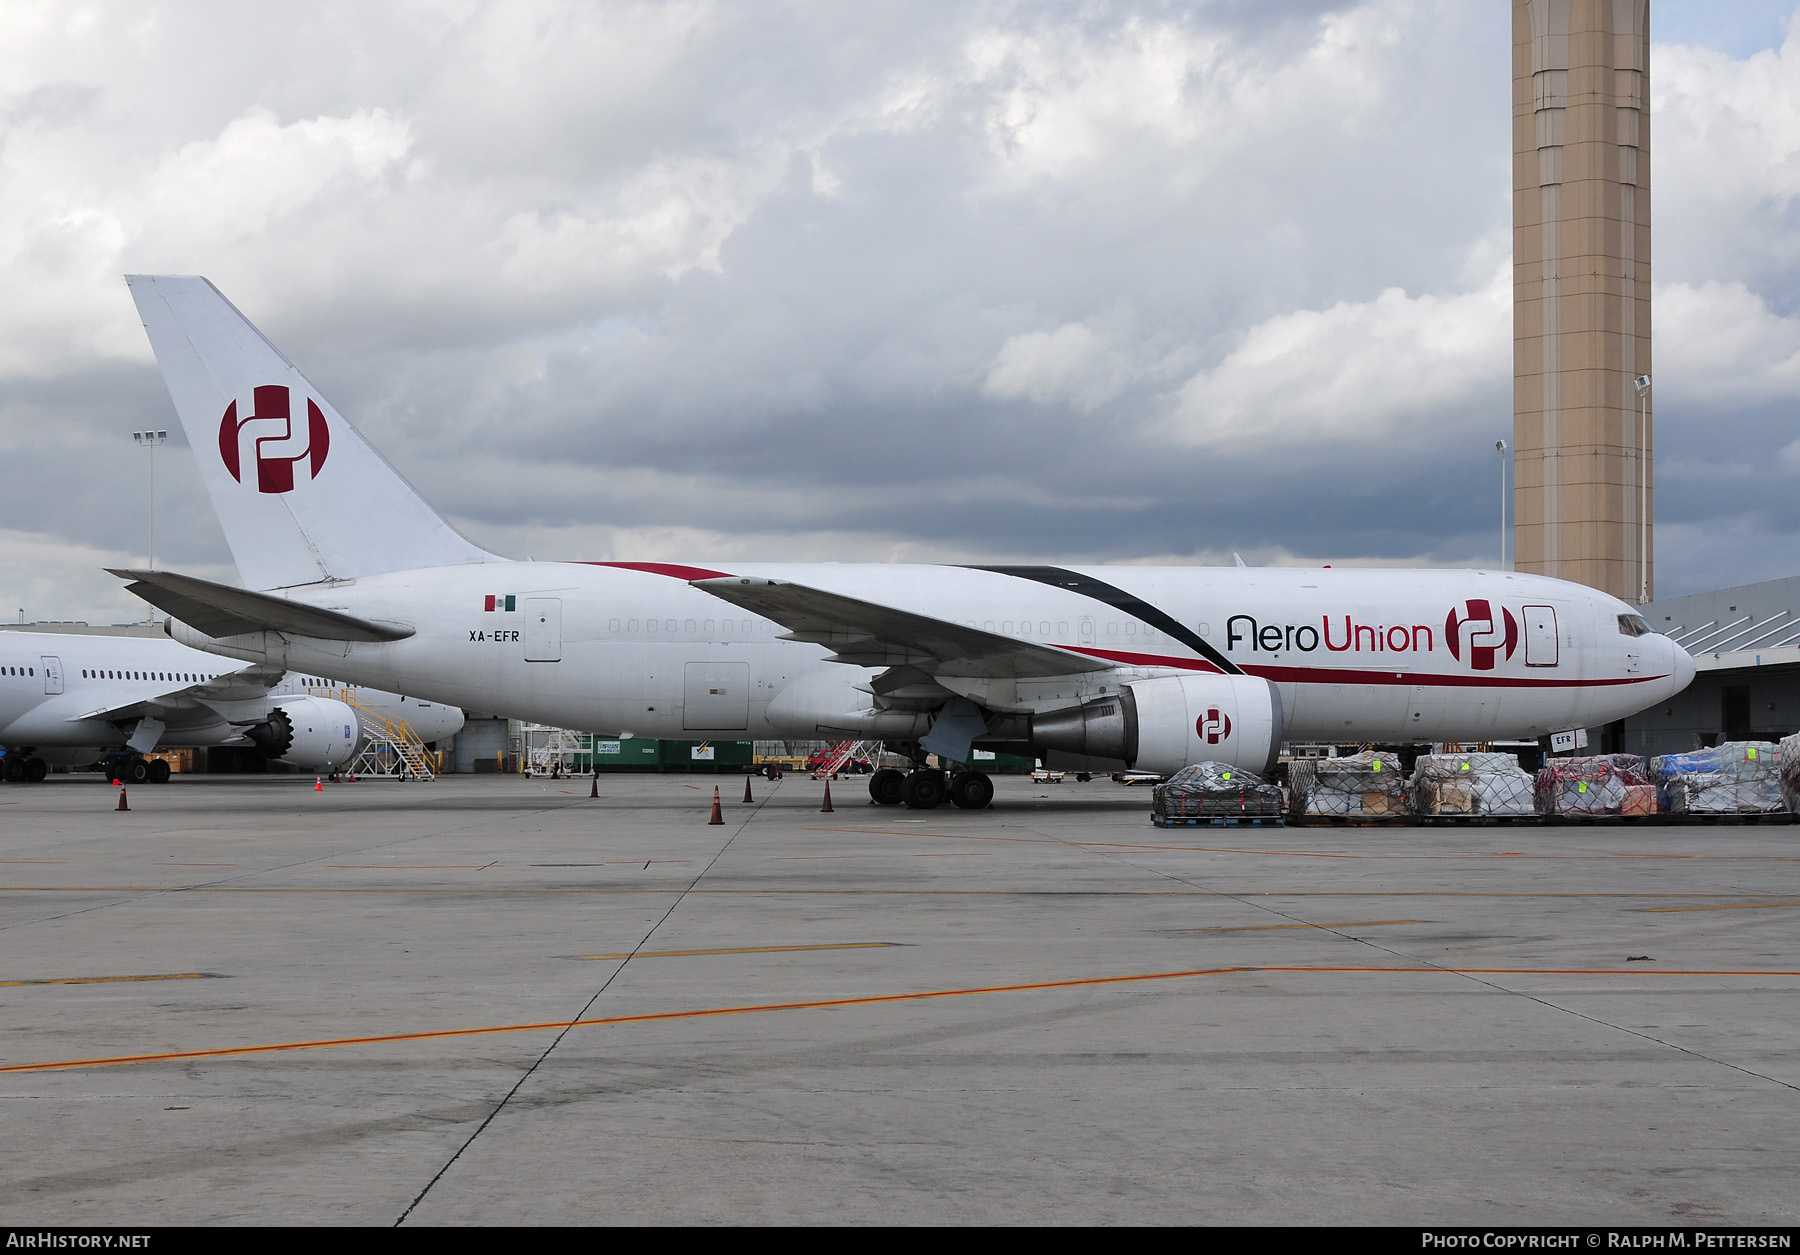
<point x="1077" y="281"/>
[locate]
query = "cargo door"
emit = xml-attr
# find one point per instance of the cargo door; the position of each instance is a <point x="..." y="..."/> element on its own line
<point x="1541" y="645"/>
<point x="52" y="674"/>
<point x="543" y="629"/>
<point x="718" y="697"/>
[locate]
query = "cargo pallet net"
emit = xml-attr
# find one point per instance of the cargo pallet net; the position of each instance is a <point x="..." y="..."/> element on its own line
<point x="1736" y="778"/>
<point x="1214" y="791"/>
<point x="1365" y="785"/>
<point x="1790" y="772"/>
<point x="1471" y="784"/>
<point x="1605" y="784"/>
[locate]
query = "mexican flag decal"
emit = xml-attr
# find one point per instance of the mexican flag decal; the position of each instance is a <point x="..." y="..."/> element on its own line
<point x="498" y="601"/>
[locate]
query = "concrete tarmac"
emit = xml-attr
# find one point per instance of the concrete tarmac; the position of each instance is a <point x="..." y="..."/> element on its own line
<point x="496" y="1001"/>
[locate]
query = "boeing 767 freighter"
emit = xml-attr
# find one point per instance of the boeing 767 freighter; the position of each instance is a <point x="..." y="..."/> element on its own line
<point x="348" y="571"/>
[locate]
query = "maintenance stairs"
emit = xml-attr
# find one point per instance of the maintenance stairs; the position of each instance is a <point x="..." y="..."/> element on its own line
<point x="551" y="751"/>
<point x="841" y="753"/>
<point x="389" y="746"/>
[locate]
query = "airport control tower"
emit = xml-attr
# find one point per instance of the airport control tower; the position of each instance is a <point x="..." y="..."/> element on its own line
<point x="1581" y="293"/>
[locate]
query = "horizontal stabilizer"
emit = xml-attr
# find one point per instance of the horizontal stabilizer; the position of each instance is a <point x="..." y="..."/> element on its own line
<point x="219" y="610"/>
<point x="872" y="635"/>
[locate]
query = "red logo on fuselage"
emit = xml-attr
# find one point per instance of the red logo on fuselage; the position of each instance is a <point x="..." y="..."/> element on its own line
<point x="1481" y="634"/>
<point x="1212" y="727"/>
<point x="275" y="440"/>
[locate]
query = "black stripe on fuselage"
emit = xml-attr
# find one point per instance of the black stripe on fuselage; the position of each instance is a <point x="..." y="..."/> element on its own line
<point x="1118" y="599"/>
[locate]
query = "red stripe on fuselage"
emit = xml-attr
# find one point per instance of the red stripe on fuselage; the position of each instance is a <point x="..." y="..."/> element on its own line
<point x="1335" y="675"/>
<point x="674" y="570"/>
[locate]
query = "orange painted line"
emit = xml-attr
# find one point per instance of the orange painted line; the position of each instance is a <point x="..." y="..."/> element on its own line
<point x="671" y="954"/>
<point x="496" y="890"/>
<point x="946" y="836"/>
<point x="1331" y="854"/>
<point x="1735" y="906"/>
<point x="821" y="1004"/>
<point x="104" y="980"/>
<point x="401" y="867"/>
<point x="1266" y="928"/>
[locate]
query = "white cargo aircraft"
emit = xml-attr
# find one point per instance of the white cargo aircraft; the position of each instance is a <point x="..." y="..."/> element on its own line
<point x="71" y="698"/>
<point x="348" y="570"/>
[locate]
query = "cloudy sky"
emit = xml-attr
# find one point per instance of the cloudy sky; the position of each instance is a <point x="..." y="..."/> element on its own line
<point x="960" y="281"/>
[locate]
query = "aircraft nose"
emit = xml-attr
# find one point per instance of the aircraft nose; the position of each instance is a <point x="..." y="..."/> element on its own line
<point x="1681" y="666"/>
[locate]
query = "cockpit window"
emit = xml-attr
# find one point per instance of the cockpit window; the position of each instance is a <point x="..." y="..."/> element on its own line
<point x="1633" y="625"/>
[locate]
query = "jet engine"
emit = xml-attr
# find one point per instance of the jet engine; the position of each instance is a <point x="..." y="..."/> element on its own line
<point x="316" y="733"/>
<point x="1165" y="724"/>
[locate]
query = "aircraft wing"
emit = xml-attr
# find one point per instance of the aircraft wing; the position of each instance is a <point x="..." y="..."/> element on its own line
<point x="869" y="635"/>
<point x="220" y="610"/>
<point x="209" y="700"/>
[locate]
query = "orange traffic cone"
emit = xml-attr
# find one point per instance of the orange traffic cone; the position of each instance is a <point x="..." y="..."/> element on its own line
<point x="594" y="789"/>
<point x="318" y="784"/>
<point x="827" y="807"/>
<point x="122" y="805"/>
<point x="717" y="816"/>
<point x="747" y="796"/>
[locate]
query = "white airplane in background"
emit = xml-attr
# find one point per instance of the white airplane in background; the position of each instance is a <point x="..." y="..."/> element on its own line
<point x="348" y="570"/>
<point x="67" y="699"/>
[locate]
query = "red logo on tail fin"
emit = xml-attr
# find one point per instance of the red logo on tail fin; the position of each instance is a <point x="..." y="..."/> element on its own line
<point x="275" y="458"/>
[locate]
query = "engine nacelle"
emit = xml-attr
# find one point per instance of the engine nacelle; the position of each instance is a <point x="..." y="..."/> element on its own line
<point x="1165" y="724"/>
<point x="316" y="733"/>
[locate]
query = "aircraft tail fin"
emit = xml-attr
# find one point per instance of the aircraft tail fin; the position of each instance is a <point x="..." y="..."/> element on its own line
<point x="301" y="495"/>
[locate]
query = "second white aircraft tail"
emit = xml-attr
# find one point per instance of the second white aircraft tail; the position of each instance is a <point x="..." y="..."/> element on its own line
<point x="301" y="495"/>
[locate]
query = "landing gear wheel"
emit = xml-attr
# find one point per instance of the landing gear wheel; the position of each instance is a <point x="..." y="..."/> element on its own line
<point x="35" y="770"/>
<point x="137" y="771"/>
<point x="15" y="770"/>
<point x="924" y="790"/>
<point x="159" y="771"/>
<point x="971" y="790"/>
<point x="888" y="786"/>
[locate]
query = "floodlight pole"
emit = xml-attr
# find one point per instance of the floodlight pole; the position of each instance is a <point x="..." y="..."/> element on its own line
<point x="1643" y="390"/>
<point x="149" y="440"/>
<point x="1500" y="448"/>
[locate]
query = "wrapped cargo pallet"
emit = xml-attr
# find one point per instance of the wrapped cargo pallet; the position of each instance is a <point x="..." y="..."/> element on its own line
<point x="1363" y="786"/>
<point x="1736" y="778"/>
<point x="1471" y="784"/>
<point x="1606" y="784"/>
<point x="1790" y="772"/>
<point x="1214" y="791"/>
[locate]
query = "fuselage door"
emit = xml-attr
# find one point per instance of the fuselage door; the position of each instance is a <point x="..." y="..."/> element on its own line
<point x="52" y="674"/>
<point x="543" y="629"/>
<point x="1541" y="647"/>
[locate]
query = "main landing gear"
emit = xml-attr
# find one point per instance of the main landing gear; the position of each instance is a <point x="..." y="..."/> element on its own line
<point x="135" y="770"/>
<point x="927" y="789"/>
<point x="25" y="770"/>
